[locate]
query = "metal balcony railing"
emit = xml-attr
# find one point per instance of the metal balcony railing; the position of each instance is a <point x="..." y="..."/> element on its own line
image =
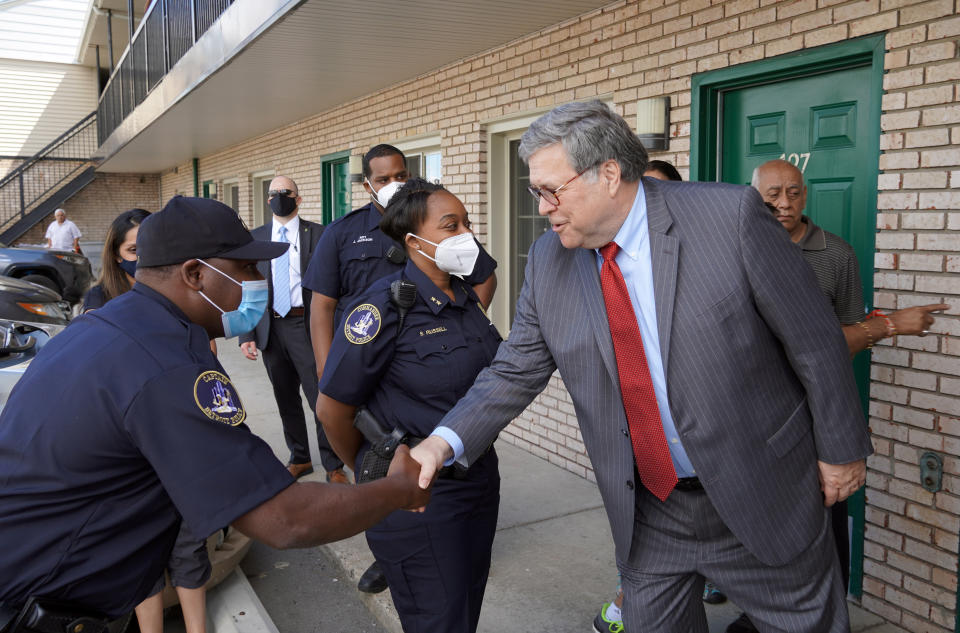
<point x="167" y="31"/>
<point x="39" y="177"/>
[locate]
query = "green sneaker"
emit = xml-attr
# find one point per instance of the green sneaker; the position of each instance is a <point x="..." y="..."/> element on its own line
<point x="602" y="625"/>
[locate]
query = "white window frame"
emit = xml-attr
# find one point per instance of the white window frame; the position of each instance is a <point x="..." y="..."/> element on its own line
<point x="226" y="184"/>
<point x="424" y="146"/>
<point x="261" y="214"/>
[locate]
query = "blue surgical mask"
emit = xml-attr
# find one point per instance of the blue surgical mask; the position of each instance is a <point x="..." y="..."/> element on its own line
<point x="253" y="303"/>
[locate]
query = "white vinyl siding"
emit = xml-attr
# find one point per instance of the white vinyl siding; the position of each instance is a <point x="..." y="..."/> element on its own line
<point x="42" y="30"/>
<point x="39" y="101"/>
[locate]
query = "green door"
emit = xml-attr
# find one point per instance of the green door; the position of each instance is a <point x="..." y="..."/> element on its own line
<point x="336" y="186"/>
<point x="819" y="123"/>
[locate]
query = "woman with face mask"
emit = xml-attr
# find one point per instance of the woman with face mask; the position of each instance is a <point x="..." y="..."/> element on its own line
<point x="118" y="259"/>
<point x="405" y="352"/>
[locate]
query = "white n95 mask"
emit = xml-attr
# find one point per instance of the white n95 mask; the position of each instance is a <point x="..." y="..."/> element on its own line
<point x="386" y="192"/>
<point x="456" y="255"/>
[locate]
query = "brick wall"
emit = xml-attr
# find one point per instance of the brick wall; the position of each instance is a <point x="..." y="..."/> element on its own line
<point x="911" y="539"/>
<point x="632" y="50"/>
<point x="94" y="207"/>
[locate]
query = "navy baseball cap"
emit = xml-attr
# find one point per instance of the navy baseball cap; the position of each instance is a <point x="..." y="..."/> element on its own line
<point x="198" y="228"/>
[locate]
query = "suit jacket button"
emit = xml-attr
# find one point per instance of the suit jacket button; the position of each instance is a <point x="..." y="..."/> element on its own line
<point x="624" y="431"/>
<point x="630" y="485"/>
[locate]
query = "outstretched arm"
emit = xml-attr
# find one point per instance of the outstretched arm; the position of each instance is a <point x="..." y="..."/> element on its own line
<point x="309" y="514"/>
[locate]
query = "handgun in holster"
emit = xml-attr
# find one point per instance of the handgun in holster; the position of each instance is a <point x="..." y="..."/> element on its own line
<point x="383" y="445"/>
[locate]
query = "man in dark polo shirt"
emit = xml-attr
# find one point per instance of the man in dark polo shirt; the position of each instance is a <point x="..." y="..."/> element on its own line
<point x="834" y="262"/>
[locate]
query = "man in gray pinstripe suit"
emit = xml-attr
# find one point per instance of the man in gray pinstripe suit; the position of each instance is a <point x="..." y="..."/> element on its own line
<point x="752" y="380"/>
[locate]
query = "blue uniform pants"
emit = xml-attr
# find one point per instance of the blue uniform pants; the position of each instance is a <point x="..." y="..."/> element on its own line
<point x="436" y="563"/>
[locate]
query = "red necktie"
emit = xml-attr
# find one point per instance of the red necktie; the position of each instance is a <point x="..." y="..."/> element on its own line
<point x="650" y="449"/>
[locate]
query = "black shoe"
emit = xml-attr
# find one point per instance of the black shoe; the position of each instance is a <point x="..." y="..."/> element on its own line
<point x="372" y="580"/>
<point x="742" y="625"/>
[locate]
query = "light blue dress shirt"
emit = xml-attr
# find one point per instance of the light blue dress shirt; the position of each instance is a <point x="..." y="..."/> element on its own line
<point x="636" y="264"/>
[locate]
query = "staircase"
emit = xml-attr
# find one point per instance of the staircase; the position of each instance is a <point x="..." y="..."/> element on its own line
<point x="43" y="182"/>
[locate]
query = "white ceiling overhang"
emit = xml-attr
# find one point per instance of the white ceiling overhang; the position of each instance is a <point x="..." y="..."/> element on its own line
<point x="268" y="63"/>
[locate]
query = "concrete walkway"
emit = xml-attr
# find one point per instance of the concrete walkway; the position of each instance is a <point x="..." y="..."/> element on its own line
<point x="553" y="555"/>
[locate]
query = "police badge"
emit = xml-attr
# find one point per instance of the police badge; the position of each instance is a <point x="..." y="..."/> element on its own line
<point x="215" y="395"/>
<point x="362" y="324"/>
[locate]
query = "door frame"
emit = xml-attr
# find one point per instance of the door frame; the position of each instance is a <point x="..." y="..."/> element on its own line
<point x="326" y="184"/>
<point x="706" y="117"/>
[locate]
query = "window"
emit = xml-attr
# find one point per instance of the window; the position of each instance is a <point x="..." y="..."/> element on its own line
<point x="231" y="194"/>
<point x="426" y="165"/>
<point x="424" y="159"/>
<point x="261" y="185"/>
<point x="526" y="223"/>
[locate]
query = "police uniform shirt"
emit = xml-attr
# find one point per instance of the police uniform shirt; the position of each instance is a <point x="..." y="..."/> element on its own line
<point x="352" y="254"/>
<point x="412" y="379"/>
<point x="122" y="424"/>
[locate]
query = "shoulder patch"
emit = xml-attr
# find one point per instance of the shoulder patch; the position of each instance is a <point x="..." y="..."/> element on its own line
<point x="216" y="397"/>
<point x="362" y="324"/>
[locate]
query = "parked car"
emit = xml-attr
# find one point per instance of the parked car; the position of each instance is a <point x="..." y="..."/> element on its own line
<point x="64" y="272"/>
<point x="29" y="316"/>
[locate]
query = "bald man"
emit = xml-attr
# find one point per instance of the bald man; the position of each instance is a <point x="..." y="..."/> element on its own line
<point x="834" y="262"/>
<point x="283" y="334"/>
<point x="62" y="234"/>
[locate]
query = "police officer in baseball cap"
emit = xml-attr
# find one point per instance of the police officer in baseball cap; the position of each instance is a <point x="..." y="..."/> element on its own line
<point x="125" y="422"/>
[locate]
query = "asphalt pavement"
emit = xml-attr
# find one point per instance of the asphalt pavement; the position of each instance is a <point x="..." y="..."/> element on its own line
<point x="552" y="564"/>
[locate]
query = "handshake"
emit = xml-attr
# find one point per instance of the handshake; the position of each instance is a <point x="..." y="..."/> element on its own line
<point x="416" y="469"/>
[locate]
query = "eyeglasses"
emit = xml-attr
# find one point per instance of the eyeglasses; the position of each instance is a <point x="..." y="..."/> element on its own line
<point x="281" y="192"/>
<point x="551" y="195"/>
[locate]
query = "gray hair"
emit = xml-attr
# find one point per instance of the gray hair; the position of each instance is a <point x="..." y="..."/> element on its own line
<point x="590" y="133"/>
<point x="60" y="211"/>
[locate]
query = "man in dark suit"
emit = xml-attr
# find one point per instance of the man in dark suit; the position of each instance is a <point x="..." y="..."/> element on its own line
<point x="282" y="334"/>
<point x="717" y="403"/>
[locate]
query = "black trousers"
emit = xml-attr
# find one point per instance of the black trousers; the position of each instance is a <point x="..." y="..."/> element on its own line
<point x="290" y="366"/>
<point x="838" y="520"/>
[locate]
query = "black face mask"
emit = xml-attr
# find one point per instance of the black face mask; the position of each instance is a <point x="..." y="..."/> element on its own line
<point x="282" y="206"/>
<point x="129" y="267"/>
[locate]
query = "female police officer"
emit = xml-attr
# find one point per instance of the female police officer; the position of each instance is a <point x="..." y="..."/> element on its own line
<point x="408" y="371"/>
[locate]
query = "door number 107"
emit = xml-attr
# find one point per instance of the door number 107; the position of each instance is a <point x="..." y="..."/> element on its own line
<point x="796" y="159"/>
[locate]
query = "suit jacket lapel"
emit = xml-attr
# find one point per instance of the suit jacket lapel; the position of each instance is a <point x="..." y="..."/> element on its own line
<point x="305" y="229"/>
<point x="664" y="253"/>
<point x="589" y="277"/>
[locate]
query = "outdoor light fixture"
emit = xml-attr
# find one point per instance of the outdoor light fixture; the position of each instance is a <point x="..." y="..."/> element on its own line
<point x="356" y="168"/>
<point x="653" y="123"/>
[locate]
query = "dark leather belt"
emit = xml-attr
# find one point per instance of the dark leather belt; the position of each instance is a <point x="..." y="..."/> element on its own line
<point x="294" y="312"/>
<point x="688" y="484"/>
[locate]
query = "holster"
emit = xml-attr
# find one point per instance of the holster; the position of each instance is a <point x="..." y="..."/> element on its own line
<point x="383" y="446"/>
<point x="46" y="615"/>
<point x="376" y="461"/>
